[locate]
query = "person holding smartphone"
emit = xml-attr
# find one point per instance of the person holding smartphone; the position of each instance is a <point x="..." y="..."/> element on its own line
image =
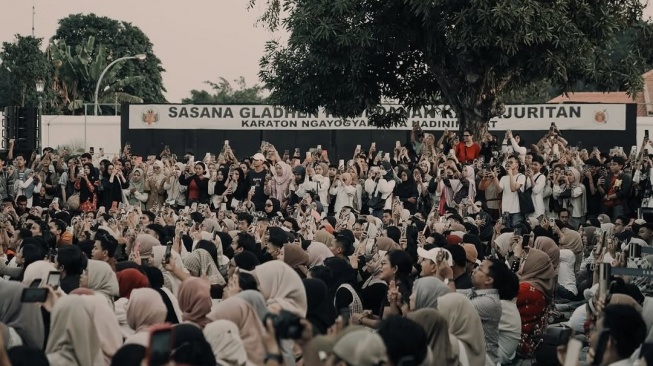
<point x="617" y="334"/>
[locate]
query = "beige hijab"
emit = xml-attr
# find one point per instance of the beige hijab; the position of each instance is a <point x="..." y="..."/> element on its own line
<point x="145" y="309"/>
<point x="37" y="270"/>
<point x="437" y="332"/>
<point x="464" y="325"/>
<point x="106" y="322"/>
<point x="538" y="271"/>
<point x="280" y="284"/>
<point x="250" y="326"/>
<point x="102" y="279"/>
<point x="386" y="244"/>
<point x="224" y="338"/>
<point x="195" y="301"/>
<point x="74" y="339"/>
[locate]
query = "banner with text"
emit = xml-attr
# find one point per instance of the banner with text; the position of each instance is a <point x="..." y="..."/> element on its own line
<point x="266" y="117"/>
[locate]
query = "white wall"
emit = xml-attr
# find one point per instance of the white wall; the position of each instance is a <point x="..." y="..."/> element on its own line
<point x="100" y="131"/>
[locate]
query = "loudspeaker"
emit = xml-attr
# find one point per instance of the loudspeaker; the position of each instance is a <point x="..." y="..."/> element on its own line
<point x="22" y="124"/>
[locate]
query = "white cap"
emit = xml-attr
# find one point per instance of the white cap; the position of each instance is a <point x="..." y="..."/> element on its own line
<point x="258" y="156"/>
<point x="433" y="254"/>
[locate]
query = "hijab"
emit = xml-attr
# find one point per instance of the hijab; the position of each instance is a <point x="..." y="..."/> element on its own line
<point x="24" y="318"/>
<point x="386" y="244"/>
<point x="107" y="325"/>
<point x="196" y="350"/>
<point x="147" y="243"/>
<point x="427" y="291"/>
<point x="317" y="253"/>
<point x="138" y="183"/>
<point x="155" y="278"/>
<point x="170" y="281"/>
<point x="74" y="339"/>
<point x="256" y="301"/>
<point x="103" y="280"/>
<point x="130" y="279"/>
<point x="145" y="309"/>
<point x="280" y="284"/>
<point x="502" y="243"/>
<point x="38" y="270"/>
<point x="572" y="241"/>
<point x="251" y="328"/>
<point x="437" y="332"/>
<point x="548" y="246"/>
<point x="321" y="311"/>
<point x="590" y="234"/>
<point x="294" y="255"/>
<point x="464" y="325"/>
<point x="538" y="271"/>
<point x="199" y="263"/>
<point x="195" y="301"/>
<point x="224" y="338"/>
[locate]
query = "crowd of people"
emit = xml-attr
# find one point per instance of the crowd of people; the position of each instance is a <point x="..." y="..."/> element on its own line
<point x="445" y="252"/>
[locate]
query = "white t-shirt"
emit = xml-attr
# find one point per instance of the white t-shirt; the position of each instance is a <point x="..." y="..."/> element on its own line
<point x="510" y="199"/>
<point x="566" y="274"/>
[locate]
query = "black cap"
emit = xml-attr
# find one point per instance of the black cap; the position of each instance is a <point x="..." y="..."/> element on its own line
<point x="593" y="162"/>
<point x="619" y="160"/>
<point x="457" y="254"/>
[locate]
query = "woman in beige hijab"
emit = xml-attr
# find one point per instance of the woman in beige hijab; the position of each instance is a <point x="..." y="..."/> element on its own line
<point x="465" y="329"/>
<point x="155" y="179"/>
<point x="249" y="324"/>
<point x="282" y="286"/>
<point x="100" y="278"/>
<point x="144" y="309"/>
<point x="195" y="301"/>
<point x="73" y="339"/>
<point x="296" y="257"/>
<point x="228" y="348"/>
<point x="437" y="332"/>
<point x="107" y="325"/>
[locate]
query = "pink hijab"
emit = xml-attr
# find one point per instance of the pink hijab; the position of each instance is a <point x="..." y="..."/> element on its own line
<point x="195" y="301"/>
<point x="145" y="309"/>
<point x="107" y="325"/>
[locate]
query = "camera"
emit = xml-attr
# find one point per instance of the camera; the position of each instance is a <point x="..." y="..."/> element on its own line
<point x="286" y="325"/>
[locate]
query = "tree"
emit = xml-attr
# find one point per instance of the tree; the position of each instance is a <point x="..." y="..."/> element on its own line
<point x="120" y="39"/>
<point x="23" y="63"/>
<point x="77" y="74"/>
<point x="348" y="55"/>
<point x="226" y="94"/>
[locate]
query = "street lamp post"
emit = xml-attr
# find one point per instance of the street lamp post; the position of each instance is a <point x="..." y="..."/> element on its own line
<point x="140" y="57"/>
<point x="40" y="87"/>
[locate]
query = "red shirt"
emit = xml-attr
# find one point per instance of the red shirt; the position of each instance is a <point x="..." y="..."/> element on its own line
<point x="193" y="191"/>
<point x="466" y="154"/>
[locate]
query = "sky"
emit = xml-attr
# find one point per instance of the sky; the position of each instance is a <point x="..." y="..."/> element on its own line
<point x="196" y="40"/>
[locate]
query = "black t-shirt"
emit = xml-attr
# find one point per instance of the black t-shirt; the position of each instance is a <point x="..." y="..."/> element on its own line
<point x="257" y="180"/>
<point x="463" y="282"/>
<point x="593" y="200"/>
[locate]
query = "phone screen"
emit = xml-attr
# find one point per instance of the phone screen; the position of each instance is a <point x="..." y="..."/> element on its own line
<point x="32" y="294"/>
<point x="160" y="342"/>
<point x="54" y="279"/>
<point x="166" y="256"/>
<point x="526" y="238"/>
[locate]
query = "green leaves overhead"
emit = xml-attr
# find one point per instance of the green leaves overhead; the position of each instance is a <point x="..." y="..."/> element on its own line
<point x="351" y="55"/>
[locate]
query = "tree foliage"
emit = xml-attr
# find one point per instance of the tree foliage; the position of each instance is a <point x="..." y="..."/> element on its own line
<point x="23" y="63"/>
<point x="224" y="93"/>
<point x="352" y="55"/>
<point x="77" y="73"/>
<point x="119" y="39"/>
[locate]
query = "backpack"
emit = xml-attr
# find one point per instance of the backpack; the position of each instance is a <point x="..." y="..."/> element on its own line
<point x="526" y="205"/>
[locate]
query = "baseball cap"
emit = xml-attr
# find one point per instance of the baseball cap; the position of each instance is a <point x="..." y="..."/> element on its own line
<point x="618" y="159"/>
<point x="470" y="252"/>
<point x="385" y="166"/>
<point x="433" y="254"/>
<point x="593" y="162"/>
<point x="258" y="156"/>
<point x="361" y="348"/>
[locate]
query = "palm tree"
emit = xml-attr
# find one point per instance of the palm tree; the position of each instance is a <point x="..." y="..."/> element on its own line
<point x="76" y="75"/>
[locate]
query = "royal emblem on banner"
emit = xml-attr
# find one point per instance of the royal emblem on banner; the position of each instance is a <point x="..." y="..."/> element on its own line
<point x="150" y="116"/>
<point x="601" y="117"/>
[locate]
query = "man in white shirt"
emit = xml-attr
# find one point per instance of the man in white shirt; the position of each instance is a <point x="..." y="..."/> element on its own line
<point x="509" y="185"/>
<point x="537" y="180"/>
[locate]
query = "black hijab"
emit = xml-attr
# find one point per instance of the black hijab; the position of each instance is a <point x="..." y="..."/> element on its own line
<point x="191" y="346"/>
<point x="321" y="312"/>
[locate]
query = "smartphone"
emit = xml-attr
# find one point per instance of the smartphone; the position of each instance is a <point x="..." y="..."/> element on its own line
<point x="223" y="207"/>
<point x="54" y="278"/>
<point x="341" y="164"/>
<point x="526" y="238"/>
<point x="358" y="147"/>
<point x="158" y="353"/>
<point x="139" y="160"/>
<point x="91" y="150"/>
<point x="193" y="206"/>
<point x="55" y="200"/>
<point x="552" y="222"/>
<point x="168" y="253"/>
<point x="646" y="134"/>
<point x="601" y="346"/>
<point x="634" y="250"/>
<point x="387" y="156"/>
<point x="345" y="313"/>
<point x="604" y="279"/>
<point x="308" y="155"/>
<point x="319" y="147"/>
<point x="252" y="189"/>
<point x="574" y="347"/>
<point x="33" y="294"/>
<point x="207" y="157"/>
<point x="398" y="144"/>
<point x="35" y="283"/>
<point x="286" y="152"/>
<point x="226" y="142"/>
